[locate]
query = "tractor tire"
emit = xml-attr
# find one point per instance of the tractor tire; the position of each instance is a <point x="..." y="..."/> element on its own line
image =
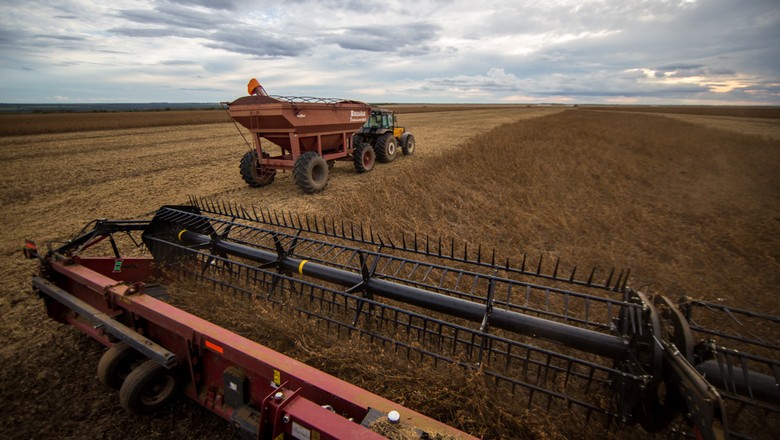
<point x="364" y="157"/>
<point x="408" y="145"/>
<point x="386" y="148"/>
<point x="148" y="387"/>
<point x="117" y="363"/>
<point x="251" y="174"/>
<point x="311" y="172"/>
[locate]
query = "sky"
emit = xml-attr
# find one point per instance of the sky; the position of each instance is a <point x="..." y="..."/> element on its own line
<point x="421" y="51"/>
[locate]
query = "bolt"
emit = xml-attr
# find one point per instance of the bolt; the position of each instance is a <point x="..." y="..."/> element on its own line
<point x="278" y="396"/>
<point x="286" y="418"/>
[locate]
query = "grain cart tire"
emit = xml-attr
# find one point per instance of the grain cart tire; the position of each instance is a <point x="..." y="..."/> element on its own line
<point x="147" y="388"/>
<point x="386" y="148"/>
<point x="407" y="144"/>
<point x="251" y="175"/>
<point x="311" y="172"/>
<point x="364" y="157"/>
<point x="117" y="363"/>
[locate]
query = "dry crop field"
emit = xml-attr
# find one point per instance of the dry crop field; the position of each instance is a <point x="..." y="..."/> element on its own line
<point x="691" y="208"/>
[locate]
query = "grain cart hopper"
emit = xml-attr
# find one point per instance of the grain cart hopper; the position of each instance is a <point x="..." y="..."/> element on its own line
<point x="580" y="343"/>
<point x="311" y="133"/>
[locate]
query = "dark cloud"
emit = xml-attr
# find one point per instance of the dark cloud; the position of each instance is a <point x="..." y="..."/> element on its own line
<point x="174" y="17"/>
<point x="217" y="29"/>
<point x="61" y="37"/>
<point x="157" y="32"/>
<point x="224" y="5"/>
<point x="252" y="41"/>
<point x="409" y="38"/>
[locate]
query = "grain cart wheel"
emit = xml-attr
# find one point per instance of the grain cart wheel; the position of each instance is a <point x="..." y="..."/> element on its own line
<point x="147" y="388"/>
<point x="386" y="148"/>
<point x="364" y="157"/>
<point x="407" y="144"/>
<point x="117" y="363"/>
<point x="311" y="172"/>
<point x="251" y="174"/>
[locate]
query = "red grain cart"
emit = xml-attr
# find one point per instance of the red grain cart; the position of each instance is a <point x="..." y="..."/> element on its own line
<point x="312" y="134"/>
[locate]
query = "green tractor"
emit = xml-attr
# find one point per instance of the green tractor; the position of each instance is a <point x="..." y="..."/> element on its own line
<point x="382" y="133"/>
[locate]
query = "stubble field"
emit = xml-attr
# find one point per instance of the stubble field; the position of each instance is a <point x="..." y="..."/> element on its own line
<point x="692" y="209"/>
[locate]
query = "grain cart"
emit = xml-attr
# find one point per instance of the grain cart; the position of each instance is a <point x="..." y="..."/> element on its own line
<point x="312" y="133"/>
<point x="582" y="343"/>
<point x="384" y="134"/>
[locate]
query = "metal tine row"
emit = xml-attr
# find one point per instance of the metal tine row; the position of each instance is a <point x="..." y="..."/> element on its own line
<point x="735" y="368"/>
<point x="748" y="320"/>
<point x="427" y="246"/>
<point x="327" y="253"/>
<point x="550" y="368"/>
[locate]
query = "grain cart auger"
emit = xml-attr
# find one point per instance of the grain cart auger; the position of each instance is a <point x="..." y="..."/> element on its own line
<point x="308" y="135"/>
<point x="584" y="343"/>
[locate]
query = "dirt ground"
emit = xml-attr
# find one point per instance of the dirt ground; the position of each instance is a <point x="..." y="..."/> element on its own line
<point x="53" y="184"/>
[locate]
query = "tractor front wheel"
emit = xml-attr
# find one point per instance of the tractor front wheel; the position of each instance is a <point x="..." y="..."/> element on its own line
<point x="252" y="173"/>
<point x="364" y="157"/>
<point x="311" y="172"/>
<point x="148" y="387"/>
<point x="386" y="148"/>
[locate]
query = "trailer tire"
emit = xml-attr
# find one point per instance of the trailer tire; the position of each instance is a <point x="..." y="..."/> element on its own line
<point x="148" y="387"/>
<point x="407" y="144"/>
<point x="117" y="363"/>
<point x="386" y="148"/>
<point x="364" y="157"/>
<point x="251" y="174"/>
<point x="311" y="172"/>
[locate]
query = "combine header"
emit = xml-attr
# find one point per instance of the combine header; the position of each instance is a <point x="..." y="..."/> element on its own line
<point x="585" y="343"/>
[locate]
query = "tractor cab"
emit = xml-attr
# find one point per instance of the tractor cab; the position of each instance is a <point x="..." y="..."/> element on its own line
<point x="380" y="122"/>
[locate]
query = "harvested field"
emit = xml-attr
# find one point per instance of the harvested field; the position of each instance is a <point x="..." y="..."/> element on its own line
<point x="693" y="210"/>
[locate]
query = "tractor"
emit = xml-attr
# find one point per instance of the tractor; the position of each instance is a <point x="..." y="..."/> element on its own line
<point x="382" y="133"/>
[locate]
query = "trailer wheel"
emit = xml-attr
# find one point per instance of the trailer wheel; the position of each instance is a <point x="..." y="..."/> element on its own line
<point x="407" y="145"/>
<point x="251" y="174"/>
<point x="386" y="148"/>
<point x="147" y="388"/>
<point x="311" y="172"/>
<point x="364" y="157"/>
<point x="117" y="363"/>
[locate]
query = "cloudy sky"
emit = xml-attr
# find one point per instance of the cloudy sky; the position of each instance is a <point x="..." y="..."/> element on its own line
<point x="568" y="51"/>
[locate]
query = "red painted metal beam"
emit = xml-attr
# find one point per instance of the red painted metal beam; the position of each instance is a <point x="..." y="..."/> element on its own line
<point x="207" y="350"/>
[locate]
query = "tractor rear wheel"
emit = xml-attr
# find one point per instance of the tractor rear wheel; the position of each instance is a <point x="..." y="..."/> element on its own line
<point x="407" y="147"/>
<point x="252" y="174"/>
<point x="148" y="387"/>
<point x="117" y="363"/>
<point x="386" y="148"/>
<point x="311" y="172"/>
<point x="364" y="157"/>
